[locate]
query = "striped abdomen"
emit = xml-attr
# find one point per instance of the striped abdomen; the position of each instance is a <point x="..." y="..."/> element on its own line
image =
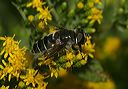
<point x="59" y="40"/>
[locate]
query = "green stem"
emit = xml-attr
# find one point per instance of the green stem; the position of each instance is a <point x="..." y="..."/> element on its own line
<point x="20" y="11"/>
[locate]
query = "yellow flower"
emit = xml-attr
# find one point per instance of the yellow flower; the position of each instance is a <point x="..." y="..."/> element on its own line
<point x="48" y="62"/>
<point x="82" y="57"/>
<point x="35" y="4"/>
<point x="68" y="64"/>
<point x="5" y="71"/>
<point x="62" y="72"/>
<point x="96" y="15"/>
<point x="91" y="4"/>
<point x="83" y="62"/>
<point x="52" y="29"/>
<point x="54" y="72"/>
<point x="21" y="84"/>
<point x="30" y="18"/>
<point x="88" y="47"/>
<point x="111" y="45"/>
<point x="80" y="5"/>
<point x="18" y="62"/>
<point x="98" y="1"/>
<point x="79" y="56"/>
<point x="42" y="86"/>
<point x="69" y="55"/>
<point x="15" y="57"/>
<point x="10" y="46"/>
<point x="39" y="80"/>
<point x="3" y="87"/>
<point x="101" y="85"/>
<point x="41" y="25"/>
<point x="32" y="77"/>
<point x="29" y="78"/>
<point x="44" y="14"/>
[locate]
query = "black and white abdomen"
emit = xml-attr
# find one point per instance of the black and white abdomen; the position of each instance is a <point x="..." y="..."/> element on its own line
<point x="43" y="44"/>
<point x="58" y="40"/>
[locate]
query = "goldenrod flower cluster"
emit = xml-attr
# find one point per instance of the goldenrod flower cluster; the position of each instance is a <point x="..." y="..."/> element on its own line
<point x="33" y="77"/>
<point x="13" y="65"/>
<point x="96" y="13"/>
<point x="13" y="61"/>
<point x="91" y="9"/>
<point x="42" y="16"/>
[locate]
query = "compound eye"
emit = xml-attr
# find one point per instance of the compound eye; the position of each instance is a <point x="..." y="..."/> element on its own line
<point x="56" y="35"/>
<point x="79" y="37"/>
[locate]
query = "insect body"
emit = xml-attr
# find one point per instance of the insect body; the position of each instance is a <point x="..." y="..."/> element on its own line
<point x="53" y="43"/>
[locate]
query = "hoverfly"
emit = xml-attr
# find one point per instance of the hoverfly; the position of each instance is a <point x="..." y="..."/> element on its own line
<point x="61" y="39"/>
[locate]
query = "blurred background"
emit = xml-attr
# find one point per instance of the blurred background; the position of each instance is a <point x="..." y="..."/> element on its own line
<point x="111" y="37"/>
